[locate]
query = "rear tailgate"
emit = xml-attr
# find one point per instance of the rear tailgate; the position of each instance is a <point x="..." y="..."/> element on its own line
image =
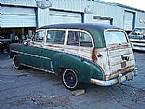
<point x="121" y="60"/>
<point x="120" y="54"/>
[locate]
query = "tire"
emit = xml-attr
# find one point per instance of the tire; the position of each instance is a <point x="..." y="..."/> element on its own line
<point x="17" y="63"/>
<point x="70" y="79"/>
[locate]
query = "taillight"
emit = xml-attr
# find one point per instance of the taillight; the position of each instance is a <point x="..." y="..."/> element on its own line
<point x="94" y="55"/>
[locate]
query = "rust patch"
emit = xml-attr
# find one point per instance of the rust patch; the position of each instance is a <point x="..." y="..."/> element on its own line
<point x="115" y="47"/>
<point x="121" y="71"/>
<point x="94" y="55"/>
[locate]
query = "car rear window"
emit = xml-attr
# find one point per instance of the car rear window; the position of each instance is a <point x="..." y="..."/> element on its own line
<point x="115" y="37"/>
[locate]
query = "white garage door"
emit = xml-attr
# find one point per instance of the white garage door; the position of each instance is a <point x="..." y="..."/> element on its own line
<point x="17" y="17"/>
<point x="128" y="20"/>
<point x="57" y="17"/>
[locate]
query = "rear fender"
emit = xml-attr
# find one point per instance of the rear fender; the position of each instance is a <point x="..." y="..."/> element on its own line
<point x="85" y="69"/>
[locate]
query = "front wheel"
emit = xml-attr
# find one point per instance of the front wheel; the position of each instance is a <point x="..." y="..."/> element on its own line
<point x="17" y="63"/>
<point x="70" y="79"/>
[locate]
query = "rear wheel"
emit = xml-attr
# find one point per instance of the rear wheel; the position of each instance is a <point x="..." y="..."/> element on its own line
<point x="17" y="63"/>
<point x="70" y="79"/>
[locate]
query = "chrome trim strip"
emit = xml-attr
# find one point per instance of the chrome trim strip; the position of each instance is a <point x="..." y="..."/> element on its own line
<point x="138" y="44"/>
<point x="139" y="48"/>
<point x="51" y="66"/>
<point x="30" y="55"/>
<point x="137" y="40"/>
<point x="38" y="68"/>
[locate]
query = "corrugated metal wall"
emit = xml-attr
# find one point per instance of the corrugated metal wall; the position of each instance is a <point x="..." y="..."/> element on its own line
<point x="43" y="17"/>
<point x="129" y="20"/>
<point x="20" y="2"/>
<point x="88" y="7"/>
<point x="140" y="19"/>
<point x="106" y="10"/>
<point x="62" y="5"/>
<point x="71" y="5"/>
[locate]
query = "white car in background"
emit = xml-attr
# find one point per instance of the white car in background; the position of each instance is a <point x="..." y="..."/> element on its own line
<point x="137" y="37"/>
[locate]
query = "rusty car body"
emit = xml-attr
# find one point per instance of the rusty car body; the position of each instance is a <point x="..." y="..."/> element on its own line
<point x="81" y="53"/>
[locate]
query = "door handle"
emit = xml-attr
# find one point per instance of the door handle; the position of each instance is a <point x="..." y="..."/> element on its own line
<point x="99" y="55"/>
<point x="125" y="57"/>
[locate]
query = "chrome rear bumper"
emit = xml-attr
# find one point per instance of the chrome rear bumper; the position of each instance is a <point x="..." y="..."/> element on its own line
<point x="139" y="48"/>
<point x="138" y="44"/>
<point x="119" y="79"/>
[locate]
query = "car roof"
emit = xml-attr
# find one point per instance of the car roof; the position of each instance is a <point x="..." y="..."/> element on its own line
<point x="84" y="26"/>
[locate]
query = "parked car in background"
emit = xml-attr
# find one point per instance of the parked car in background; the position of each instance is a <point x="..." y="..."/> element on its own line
<point x="4" y="44"/>
<point x="137" y="37"/>
<point x="81" y="53"/>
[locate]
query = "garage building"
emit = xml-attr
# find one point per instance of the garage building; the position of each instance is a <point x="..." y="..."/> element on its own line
<point x="22" y="17"/>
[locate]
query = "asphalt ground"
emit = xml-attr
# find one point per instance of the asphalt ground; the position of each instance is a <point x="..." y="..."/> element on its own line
<point x="34" y="89"/>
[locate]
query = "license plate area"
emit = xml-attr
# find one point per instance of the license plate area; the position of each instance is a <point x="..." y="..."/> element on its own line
<point x="123" y="64"/>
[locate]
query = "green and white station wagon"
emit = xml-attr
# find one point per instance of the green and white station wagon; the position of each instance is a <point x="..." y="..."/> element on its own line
<point x="81" y="53"/>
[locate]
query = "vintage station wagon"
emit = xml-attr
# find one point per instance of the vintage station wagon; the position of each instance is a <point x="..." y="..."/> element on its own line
<point x="81" y="53"/>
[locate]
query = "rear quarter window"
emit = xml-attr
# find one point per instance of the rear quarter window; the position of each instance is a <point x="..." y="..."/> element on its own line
<point x="79" y="38"/>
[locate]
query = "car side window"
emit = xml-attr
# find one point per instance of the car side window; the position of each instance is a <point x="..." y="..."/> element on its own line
<point x="85" y="40"/>
<point x="78" y="38"/>
<point x="55" y="36"/>
<point x="73" y="38"/>
<point x="39" y="36"/>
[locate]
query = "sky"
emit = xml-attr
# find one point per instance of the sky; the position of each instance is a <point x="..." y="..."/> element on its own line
<point x="139" y="4"/>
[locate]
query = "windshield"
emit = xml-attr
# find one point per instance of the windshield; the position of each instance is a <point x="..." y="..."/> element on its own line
<point x="39" y="36"/>
<point x="115" y="37"/>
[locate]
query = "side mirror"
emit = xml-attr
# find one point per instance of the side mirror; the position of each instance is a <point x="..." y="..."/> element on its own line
<point x="26" y="42"/>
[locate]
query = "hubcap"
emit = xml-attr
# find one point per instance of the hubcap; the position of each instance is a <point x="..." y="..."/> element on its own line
<point x="70" y="79"/>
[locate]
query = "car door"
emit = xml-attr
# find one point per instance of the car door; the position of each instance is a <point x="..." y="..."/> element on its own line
<point x="72" y="44"/>
<point x="79" y="43"/>
<point x="26" y="54"/>
<point x="53" y="48"/>
<point x="86" y="45"/>
<point x="37" y="48"/>
<point x="79" y="47"/>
